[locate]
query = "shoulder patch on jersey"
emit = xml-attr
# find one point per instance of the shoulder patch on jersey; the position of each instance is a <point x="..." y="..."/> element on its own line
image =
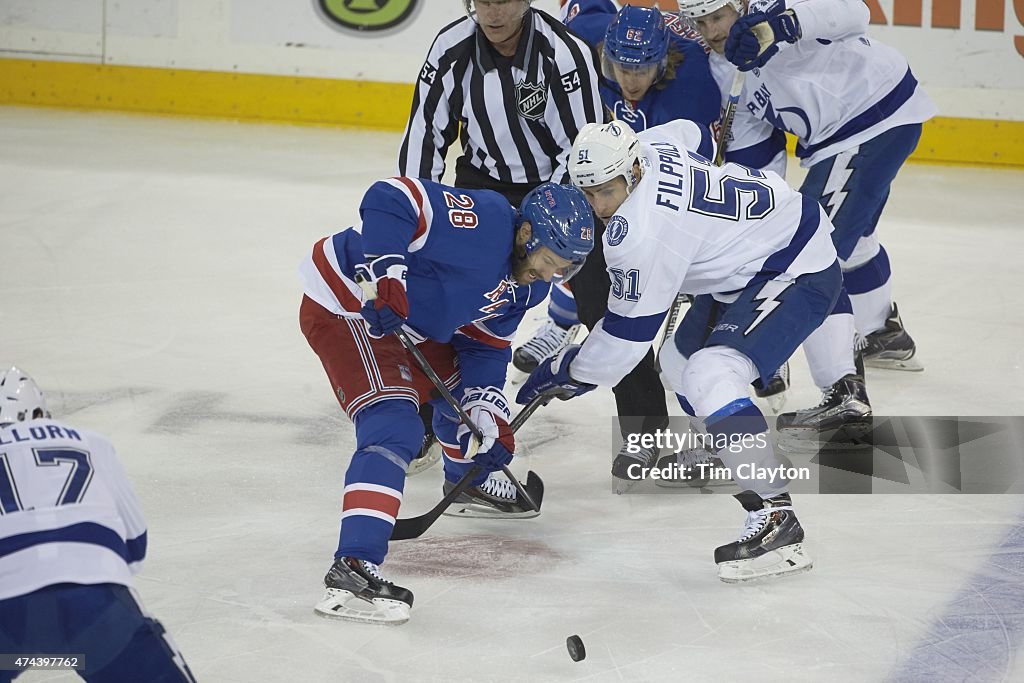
<point x="616" y="230"/>
<point x="428" y="73"/>
<point x="531" y="99"/>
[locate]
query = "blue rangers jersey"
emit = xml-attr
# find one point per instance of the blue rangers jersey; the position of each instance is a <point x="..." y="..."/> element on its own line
<point x="835" y="87"/>
<point x="692" y="94"/>
<point x="691" y="226"/>
<point x="458" y="248"/>
<point x="67" y="510"/>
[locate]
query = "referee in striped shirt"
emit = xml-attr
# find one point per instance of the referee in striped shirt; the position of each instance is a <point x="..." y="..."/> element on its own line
<point x="515" y="86"/>
<point x="518" y="84"/>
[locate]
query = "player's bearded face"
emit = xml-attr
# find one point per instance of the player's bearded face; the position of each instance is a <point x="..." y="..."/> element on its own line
<point x="606" y="198"/>
<point x="715" y="27"/>
<point x="539" y="264"/>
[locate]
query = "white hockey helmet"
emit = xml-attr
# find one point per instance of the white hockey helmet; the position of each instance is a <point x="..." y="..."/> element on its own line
<point x="692" y="9"/>
<point x="603" y="151"/>
<point x="20" y="398"/>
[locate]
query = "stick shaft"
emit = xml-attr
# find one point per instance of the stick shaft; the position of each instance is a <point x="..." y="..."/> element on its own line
<point x="728" y="115"/>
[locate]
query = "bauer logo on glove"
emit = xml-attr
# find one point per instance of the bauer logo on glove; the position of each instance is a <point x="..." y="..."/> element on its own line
<point x="489" y="411"/>
<point x="386" y="305"/>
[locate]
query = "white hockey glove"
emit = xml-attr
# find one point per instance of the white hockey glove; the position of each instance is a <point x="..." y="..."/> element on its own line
<point x="489" y="411"/>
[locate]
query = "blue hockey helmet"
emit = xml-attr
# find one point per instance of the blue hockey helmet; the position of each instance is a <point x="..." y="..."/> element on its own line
<point x="561" y="220"/>
<point x="636" y="39"/>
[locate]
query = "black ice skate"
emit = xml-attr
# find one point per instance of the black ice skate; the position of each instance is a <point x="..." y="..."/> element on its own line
<point x="775" y="391"/>
<point x="357" y="591"/>
<point x="496" y="498"/>
<point x="842" y="418"/>
<point x="549" y="340"/>
<point x="628" y="468"/>
<point x="694" y="468"/>
<point x="890" y="348"/>
<point x="771" y="542"/>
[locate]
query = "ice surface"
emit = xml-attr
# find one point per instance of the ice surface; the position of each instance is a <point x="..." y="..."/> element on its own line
<point x="147" y="281"/>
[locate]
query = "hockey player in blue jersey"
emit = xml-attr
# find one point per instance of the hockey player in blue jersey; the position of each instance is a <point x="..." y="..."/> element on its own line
<point x="456" y="270"/>
<point x="72" y="535"/>
<point x="655" y="72"/>
<point x="856" y="110"/>
<point x="676" y="222"/>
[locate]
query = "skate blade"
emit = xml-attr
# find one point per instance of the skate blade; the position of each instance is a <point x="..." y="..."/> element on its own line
<point x="790" y="559"/>
<point x="776" y="402"/>
<point x="475" y="511"/>
<point x="420" y="465"/>
<point x="911" y="364"/>
<point x="852" y="436"/>
<point x="620" y="485"/>
<point x="816" y="443"/>
<point x="693" y="483"/>
<point x="345" y="605"/>
<point x="515" y="375"/>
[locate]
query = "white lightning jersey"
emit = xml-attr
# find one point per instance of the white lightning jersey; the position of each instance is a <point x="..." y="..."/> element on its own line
<point x="67" y="511"/>
<point x="751" y="141"/>
<point x="690" y="226"/>
<point x="835" y="87"/>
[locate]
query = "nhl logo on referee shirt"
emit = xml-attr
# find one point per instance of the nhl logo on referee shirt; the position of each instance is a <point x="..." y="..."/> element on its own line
<point x="531" y="98"/>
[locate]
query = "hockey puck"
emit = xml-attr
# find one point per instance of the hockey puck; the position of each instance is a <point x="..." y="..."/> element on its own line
<point x="576" y="650"/>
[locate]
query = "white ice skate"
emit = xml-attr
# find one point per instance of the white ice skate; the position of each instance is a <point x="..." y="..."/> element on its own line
<point x="771" y="542"/>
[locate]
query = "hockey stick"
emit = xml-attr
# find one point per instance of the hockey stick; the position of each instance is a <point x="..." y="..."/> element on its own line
<point x="723" y="137"/>
<point x="671" y="320"/>
<point x="414" y="527"/>
<point x="728" y="115"/>
<point x="765" y="38"/>
<point x="478" y="436"/>
<point x="370" y="292"/>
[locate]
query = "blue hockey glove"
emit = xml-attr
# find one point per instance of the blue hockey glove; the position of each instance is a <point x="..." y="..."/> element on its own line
<point x="755" y="38"/>
<point x="385" y="304"/>
<point x="488" y="409"/>
<point x="551" y="377"/>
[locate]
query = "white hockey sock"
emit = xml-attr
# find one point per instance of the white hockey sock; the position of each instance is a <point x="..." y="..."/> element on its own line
<point x="829" y="350"/>
<point x="871" y="309"/>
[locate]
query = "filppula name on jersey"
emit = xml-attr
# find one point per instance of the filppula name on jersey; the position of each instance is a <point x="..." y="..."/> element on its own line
<point x="707" y="471"/>
<point x="20" y="434"/>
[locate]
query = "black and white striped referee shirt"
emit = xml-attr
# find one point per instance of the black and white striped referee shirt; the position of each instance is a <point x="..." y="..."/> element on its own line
<point x="519" y="115"/>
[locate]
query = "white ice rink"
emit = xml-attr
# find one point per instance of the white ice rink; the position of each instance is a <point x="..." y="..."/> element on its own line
<point x="148" y="282"/>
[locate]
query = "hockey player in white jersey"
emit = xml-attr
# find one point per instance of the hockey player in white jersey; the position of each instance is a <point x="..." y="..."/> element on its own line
<point x="856" y="109"/>
<point x="676" y="222"/>
<point x="71" y="536"/>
